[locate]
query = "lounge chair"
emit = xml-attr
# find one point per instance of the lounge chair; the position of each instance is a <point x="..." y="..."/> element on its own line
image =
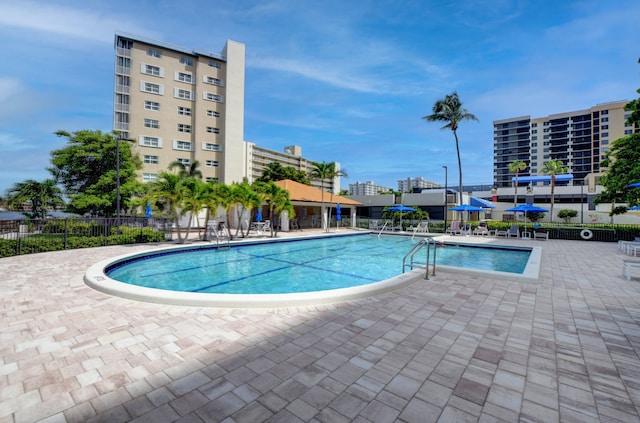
<point x="514" y="230"/>
<point x="454" y="228"/>
<point x="482" y="230"/>
<point x="374" y="226"/>
<point x="541" y="235"/>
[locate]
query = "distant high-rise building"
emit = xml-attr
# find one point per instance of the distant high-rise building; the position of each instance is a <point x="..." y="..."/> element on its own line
<point x="579" y="139"/>
<point x="408" y="185"/>
<point x="367" y="188"/>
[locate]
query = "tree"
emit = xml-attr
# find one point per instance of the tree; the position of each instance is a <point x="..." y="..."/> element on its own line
<point x="40" y="195"/>
<point x="86" y="168"/>
<point x="449" y="109"/>
<point x="187" y="172"/>
<point x="170" y="191"/>
<point x="516" y="167"/>
<point x="322" y="172"/>
<point x="277" y="200"/>
<point x="275" y="171"/>
<point x="553" y="168"/>
<point x="246" y="199"/>
<point x="567" y="214"/>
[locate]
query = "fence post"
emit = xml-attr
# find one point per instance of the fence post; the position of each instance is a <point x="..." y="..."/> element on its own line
<point x="66" y="231"/>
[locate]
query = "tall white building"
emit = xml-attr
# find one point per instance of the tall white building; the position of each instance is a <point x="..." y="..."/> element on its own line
<point x="367" y="188"/>
<point x="407" y="185"/>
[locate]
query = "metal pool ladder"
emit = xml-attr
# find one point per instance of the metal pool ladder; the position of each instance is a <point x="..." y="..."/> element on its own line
<point x="411" y="255"/>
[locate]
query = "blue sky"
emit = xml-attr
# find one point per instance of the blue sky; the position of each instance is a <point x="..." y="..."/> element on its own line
<point x="348" y="81"/>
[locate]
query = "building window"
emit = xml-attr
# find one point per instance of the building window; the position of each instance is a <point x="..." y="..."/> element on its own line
<point x="182" y="127"/>
<point x="187" y="61"/>
<point x="604" y="142"/>
<point x="152" y="105"/>
<point x="215" y="65"/>
<point x="211" y="163"/>
<point x="149" y="177"/>
<point x="183" y="94"/>
<point x="605" y="127"/>
<point x="184" y="162"/>
<point x="182" y="145"/>
<point x="151" y="159"/>
<point x="535" y="131"/>
<point x="152" y="123"/>
<point x="212" y="80"/>
<point x="150" y="142"/>
<point x="212" y="97"/>
<point x="154" y="52"/>
<point x="604" y="134"/>
<point x="213" y="113"/>
<point x="211" y="147"/>
<point x="149" y="87"/>
<point x="184" y="77"/>
<point x="212" y="130"/>
<point x="151" y="70"/>
<point x="605" y="119"/>
<point x="628" y="131"/>
<point x="605" y="112"/>
<point x="184" y="111"/>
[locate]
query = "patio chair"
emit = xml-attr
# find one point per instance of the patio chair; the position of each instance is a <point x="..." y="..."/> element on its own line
<point x="454" y="228"/>
<point x="481" y="230"/>
<point x="514" y="230"/>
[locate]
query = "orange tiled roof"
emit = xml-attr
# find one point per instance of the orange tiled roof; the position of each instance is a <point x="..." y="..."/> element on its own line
<point x="302" y="192"/>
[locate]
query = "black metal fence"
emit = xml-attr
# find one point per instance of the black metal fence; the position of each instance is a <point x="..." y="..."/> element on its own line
<point x="35" y="236"/>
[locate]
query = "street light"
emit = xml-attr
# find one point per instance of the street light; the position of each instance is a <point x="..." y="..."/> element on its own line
<point x="446" y="197"/>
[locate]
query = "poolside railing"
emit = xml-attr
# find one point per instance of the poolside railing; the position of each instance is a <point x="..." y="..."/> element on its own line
<point x="35" y="236"/>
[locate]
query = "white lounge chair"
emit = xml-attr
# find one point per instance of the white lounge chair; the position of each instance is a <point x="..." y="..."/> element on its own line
<point x="454" y="228"/>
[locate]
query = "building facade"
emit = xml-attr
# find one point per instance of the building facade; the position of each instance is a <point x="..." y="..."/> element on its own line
<point x="408" y="185"/>
<point x="181" y="105"/>
<point x="367" y="188"/>
<point x="580" y="139"/>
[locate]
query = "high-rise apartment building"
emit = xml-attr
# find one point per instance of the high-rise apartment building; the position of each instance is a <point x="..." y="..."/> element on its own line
<point x="178" y="104"/>
<point x="367" y="188"/>
<point x="407" y="185"/>
<point x="579" y="139"/>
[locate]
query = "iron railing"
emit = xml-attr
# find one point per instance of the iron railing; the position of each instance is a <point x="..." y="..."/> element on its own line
<point x="35" y="236"/>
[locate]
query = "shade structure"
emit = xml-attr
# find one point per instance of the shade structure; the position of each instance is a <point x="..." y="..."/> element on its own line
<point x="526" y="208"/>
<point x="147" y="210"/>
<point x="634" y="185"/>
<point x="479" y="202"/>
<point x="402" y="209"/>
<point x="466" y="207"/>
<point x="259" y="214"/>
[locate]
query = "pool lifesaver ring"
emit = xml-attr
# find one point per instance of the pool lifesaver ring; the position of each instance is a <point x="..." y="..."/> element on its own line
<point x="586" y="234"/>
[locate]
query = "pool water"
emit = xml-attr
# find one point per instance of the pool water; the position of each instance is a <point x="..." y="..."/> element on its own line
<point x="299" y="266"/>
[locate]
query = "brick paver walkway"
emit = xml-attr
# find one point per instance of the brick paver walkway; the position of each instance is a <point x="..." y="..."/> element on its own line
<point x="455" y="348"/>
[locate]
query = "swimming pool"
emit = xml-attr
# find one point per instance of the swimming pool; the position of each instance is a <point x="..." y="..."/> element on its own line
<point x="313" y="270"/>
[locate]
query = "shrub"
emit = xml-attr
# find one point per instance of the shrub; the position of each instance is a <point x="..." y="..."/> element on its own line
<point x="567" y="214"/>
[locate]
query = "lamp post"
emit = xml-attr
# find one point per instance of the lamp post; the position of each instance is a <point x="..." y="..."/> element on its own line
<point x="118" y="183"/>
<point x="446" y="197"/>
<point x="582" y="202"/>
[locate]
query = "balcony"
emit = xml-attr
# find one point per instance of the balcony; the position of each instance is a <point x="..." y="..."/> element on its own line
<point x="123" y="70"/>
<point x="121" y="126"/>
<point x="123" y="88"/>
<point x="121" y="107"/>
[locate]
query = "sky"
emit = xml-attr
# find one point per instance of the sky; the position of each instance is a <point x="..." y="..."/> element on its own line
<point x="348" y="81"/>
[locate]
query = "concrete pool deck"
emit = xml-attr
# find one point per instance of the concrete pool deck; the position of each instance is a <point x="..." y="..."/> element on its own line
<point x="454" y="348"/>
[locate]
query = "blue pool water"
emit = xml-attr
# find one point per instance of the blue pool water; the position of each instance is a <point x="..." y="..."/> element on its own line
<point x="299" y="266"/>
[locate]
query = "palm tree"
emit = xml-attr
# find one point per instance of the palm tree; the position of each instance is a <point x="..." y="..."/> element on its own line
<point x="277" y="199"/>
<point x="323" y="171"/>
<point x="187" y="172"/>
<point x="41" y="195"/>
<point x="449" y="109"/>
<point x="246" y="199"/>
<point x="170" y="191"/>
<point x="516" y="167"/>
<point x="553" y="168"/>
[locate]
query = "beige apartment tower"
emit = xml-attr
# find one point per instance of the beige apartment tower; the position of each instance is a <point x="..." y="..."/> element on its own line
<point x="178" y="104"/>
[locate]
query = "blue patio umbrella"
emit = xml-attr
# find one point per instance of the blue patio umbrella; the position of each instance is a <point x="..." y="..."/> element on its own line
<point x="147" y="210"/>
<point x="402" y="209"/>
<point x="259" y="214"/>
<point x="526" y="208"/>
<point x="634" y="208"/>
<point x="634" y="185"/>
<point x="338" y="217"/>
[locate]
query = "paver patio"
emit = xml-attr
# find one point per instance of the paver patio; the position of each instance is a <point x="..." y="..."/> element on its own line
<point x="455" y="348"/>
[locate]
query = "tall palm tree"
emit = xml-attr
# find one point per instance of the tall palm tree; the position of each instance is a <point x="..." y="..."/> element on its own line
<point x="277" y="199"/>
<point x="516" y="167"/>
<point x="553" y="168"/>
<point x="449" y="109"/>
<point x="245" y="199"/>
<point x="41" y="195"/>
<point x="322" y="172"/>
